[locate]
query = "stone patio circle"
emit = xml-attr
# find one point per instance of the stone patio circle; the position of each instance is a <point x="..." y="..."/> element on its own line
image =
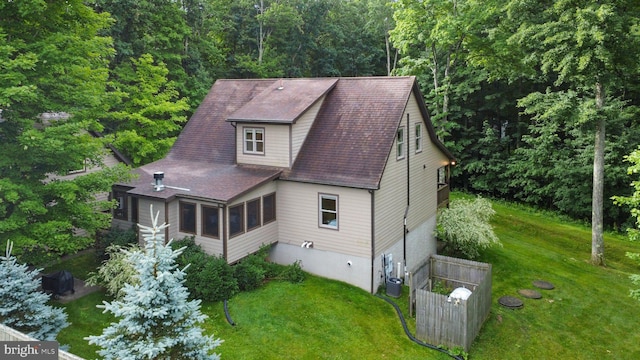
<point x="511" y="302"/>
<point x="530" y="294"/>
<point x="544" y="285"/>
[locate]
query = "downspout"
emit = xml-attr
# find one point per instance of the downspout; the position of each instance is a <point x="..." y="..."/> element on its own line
<point x="406" y="212"/>
<point x="224" y="233"/>
<point x="373" y="239"/>
<point x="235" y="137"/>
<point x="166" y="220"/>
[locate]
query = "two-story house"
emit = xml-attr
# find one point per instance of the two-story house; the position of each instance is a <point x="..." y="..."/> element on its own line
<point x="343" y="174"/>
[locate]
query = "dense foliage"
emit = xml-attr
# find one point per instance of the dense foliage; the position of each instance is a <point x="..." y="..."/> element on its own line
<point x="465" y="229"/>
<point x="116" y="271"/>
<point x="633" y="203"/>
<point x="156" y="319"/>
<point x="53" y="61"/>
<point x="211" y="278"/>
<point x="534" y="98"/>
<point x="22" y="305"/>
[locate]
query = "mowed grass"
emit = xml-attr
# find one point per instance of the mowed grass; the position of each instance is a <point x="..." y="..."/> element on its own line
<point x="318" y="319"/>
<point x="589" y="314"/>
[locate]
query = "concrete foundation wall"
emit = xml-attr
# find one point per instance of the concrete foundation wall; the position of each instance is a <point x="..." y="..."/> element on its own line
<point x="326" y="264"/>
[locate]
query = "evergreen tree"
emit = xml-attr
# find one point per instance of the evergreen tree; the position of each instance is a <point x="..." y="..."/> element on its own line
<point x="22" y="306"/>
<point x="156" y="319"/>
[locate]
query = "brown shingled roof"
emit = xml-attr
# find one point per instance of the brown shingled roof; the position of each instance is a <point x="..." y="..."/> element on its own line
<point x="217" y="182"/>
<point x="353" y="134"/>
<point x="207" y="136"/>
<point x="284" y="101"/>
<point x="348" y="144"/>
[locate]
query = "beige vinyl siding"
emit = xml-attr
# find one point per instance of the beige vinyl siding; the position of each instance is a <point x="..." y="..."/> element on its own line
<point x="250" y="241"/>
<point x="276" y="145"/>
<point x="209" y="245"/>
<point x="301" y="128"/>
<point x="423" y="170"/>
<point x="121" y="224"/>
<point x="391" y="199"/>
<point x="390" y="203"/>
<point x="144" y="215"/>
<point x="298" y="218"/>
<point x="109" y="160"/>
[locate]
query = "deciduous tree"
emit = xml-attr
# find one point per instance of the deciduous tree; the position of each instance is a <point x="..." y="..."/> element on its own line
<point x="52" y="60"/>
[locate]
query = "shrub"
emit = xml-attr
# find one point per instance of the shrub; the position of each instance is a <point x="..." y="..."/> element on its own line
<point x="208" y="277"/>
<point x="114" y="236"/>
<point x="116" y="271"/>
<point x="36" y="254"/>
<point x="293" y="273"/>
<point x="464" y="227"/>
<point x="250" y="272"/>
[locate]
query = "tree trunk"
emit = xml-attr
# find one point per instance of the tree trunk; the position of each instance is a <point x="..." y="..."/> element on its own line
<point x="597" y="218"/>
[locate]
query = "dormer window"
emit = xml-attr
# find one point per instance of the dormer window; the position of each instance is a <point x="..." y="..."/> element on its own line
<point x="254" y="140"/>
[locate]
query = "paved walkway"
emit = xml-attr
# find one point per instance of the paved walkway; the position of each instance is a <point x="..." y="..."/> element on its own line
<point x="81" y="289"/>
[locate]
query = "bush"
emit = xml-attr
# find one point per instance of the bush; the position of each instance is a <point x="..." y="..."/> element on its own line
<point x="293" y="273"/>
<point x="250" y="272"/>
<point x="36" y="254"/>
<point x="114" y="236"/>
<point x="116" y="271"/>
<point x="212" y="278"/>
<point x="208" y="277"/>
<point x="464" y="227"/>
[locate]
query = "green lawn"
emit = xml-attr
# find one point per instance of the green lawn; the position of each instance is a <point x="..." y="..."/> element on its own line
<point x="589" y="314"/>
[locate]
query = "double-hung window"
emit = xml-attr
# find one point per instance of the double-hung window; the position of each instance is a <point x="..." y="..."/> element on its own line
<point x="418" y="137"/>
<point x="400" y="143"/>
<point x="328" y="211"/>
<point x="253" y="141"/>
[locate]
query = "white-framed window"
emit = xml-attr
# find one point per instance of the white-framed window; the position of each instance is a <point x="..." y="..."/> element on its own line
<point x="400" y="143"/>
<point x="418" y="137"/>
<point x="328" y="211"/>
<point x="253" y="140"/>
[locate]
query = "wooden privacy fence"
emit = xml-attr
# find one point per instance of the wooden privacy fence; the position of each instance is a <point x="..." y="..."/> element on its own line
<point x="444" y="321"/>
<point x="10" y="334"/>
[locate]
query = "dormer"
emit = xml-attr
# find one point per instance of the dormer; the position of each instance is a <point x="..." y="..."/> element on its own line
<point x="273" y="125"/>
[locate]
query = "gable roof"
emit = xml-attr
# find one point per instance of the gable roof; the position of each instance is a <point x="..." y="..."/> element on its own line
<point x="348" y="144"/>
<point x="283" y="102"/>
<point x="354" y="132"/>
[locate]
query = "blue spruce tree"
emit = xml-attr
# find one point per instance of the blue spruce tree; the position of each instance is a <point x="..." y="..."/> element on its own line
<point x="22" y="305"/>
<point x="156" y="319"/>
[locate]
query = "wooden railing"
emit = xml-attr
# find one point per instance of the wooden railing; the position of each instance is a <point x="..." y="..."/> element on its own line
<point x="443" y="195"/>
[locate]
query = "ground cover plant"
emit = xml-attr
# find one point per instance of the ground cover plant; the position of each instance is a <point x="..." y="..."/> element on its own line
<point x="588" y="315"/>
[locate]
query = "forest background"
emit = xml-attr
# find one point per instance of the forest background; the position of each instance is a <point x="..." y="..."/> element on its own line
<point x="530" y="96"/>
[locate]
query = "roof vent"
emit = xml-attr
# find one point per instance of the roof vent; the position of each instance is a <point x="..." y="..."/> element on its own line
<point x="281" y="86"/>
<point x="157" y="177"/>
